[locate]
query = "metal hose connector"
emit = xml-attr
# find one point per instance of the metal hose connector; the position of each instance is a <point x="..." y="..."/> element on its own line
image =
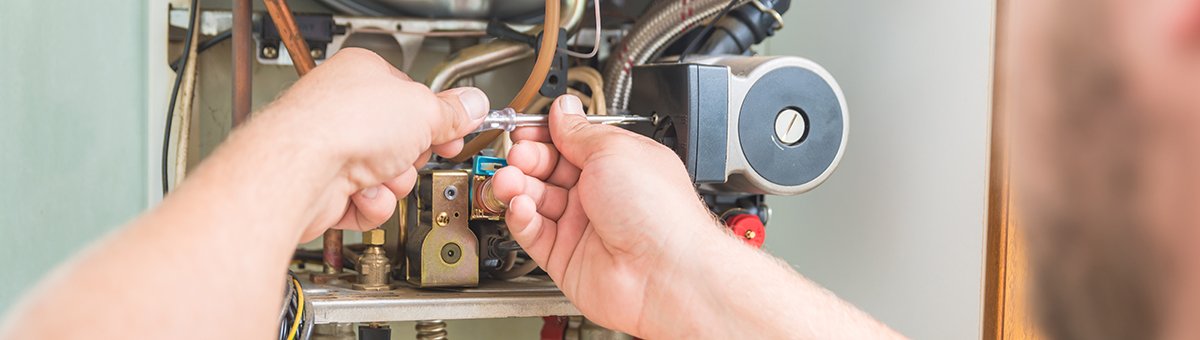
<point x="431" y="330"/>
<point x="665" y="21"/>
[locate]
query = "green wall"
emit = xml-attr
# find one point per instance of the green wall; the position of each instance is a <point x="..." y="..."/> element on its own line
<point x="898" y="230"/>
<point x="72" y="129"/>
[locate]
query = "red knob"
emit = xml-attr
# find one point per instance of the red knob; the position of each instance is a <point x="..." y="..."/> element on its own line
<point x="748" y="228"/>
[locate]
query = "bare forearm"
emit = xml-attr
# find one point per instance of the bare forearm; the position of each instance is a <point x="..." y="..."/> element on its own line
<point x="739" y="292"/>
<point x="209" y="262"/>
<point x="241" y="212"/>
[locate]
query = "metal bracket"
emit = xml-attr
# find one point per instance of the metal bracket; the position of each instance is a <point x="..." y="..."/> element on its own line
<point x="409" y="33"/>
<point x="521" y="297"/>
<point x="441" y="249"/>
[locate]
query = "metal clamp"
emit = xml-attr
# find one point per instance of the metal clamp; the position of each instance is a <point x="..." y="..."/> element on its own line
<point x="775" y="14"/>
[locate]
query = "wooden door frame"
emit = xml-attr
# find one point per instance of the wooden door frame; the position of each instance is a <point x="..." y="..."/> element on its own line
<point x="1005" y="309"/>
<point x="998" y="199"/>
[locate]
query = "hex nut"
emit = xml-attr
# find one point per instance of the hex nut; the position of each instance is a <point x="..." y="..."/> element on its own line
<point x="374" y="237"/>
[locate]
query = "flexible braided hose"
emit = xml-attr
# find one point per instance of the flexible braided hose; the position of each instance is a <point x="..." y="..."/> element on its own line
<point x="665" y="21"/>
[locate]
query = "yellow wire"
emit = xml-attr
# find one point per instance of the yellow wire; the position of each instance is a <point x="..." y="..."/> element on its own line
<point x="299" y="310"/>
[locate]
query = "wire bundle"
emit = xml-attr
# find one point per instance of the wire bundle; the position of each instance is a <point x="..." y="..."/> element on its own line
<point x="295" y="319"/>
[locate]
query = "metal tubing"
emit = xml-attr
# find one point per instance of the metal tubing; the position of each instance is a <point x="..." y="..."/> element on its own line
<point x="297" y="48"/>
<point x="475" y="60"/>
<point x="572" y="12"/>
<point x="482" y="58"/>
<point x="243" y="52"/>
<point x="332" y="251"/>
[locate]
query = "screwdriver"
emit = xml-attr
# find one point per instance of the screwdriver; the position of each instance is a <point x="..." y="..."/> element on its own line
<point x="508" y="119"/>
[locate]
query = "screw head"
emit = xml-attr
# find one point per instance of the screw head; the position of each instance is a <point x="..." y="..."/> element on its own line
<point x="270" y="52"/>
<point x="790" y="126"/>
<point x="316" y="53"/>
<point x="442" y="219"/>
<point x="451" y="193"/>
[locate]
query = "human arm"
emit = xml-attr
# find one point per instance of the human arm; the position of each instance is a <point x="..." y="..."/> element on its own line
<point x="614" y="220"/>
<point x="209" y="262"/>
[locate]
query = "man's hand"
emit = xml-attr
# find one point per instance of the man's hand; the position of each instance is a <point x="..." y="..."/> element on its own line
<point x="614" y="220"/>
<point x="605" y="216"/>
<point x="378" y="125"/>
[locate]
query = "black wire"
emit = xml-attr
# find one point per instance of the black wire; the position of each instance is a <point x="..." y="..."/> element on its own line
<point x="692" y="46"/>
<point x="187" y="49"/>
<point x="285" y="315"/>
<point x="204" y="46"/>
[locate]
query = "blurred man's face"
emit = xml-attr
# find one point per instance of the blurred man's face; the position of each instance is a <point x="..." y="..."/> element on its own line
<point x="1105" y="102"/>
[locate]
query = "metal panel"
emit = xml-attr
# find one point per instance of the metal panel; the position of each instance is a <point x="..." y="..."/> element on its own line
<point x="523" y="297"/>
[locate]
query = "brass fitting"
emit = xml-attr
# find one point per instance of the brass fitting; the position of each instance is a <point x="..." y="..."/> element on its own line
<point x="488" y="197"/>
<point x="374" y="267"/>
<point x="485" y="205"/>
<point x="374" y="237"/>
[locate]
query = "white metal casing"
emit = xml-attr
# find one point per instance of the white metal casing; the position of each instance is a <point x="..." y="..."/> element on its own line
<point x="745" y="72"/>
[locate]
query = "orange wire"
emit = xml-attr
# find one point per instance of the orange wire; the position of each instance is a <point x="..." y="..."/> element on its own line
<point x="541" y="68"/>
<point x="545" y="57"/>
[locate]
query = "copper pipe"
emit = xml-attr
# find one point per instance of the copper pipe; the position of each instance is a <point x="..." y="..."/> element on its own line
<point x="243" y="50"/>
<point x="290" y="34"/>
<point x="297" y="48"/>
<point x="331" y="252"/>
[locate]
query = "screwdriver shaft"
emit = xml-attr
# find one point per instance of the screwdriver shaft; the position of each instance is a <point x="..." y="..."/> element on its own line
<point x="508" y="119"/>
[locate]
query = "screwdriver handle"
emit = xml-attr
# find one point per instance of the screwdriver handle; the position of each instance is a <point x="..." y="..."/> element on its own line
<point x="502" y="119"/>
